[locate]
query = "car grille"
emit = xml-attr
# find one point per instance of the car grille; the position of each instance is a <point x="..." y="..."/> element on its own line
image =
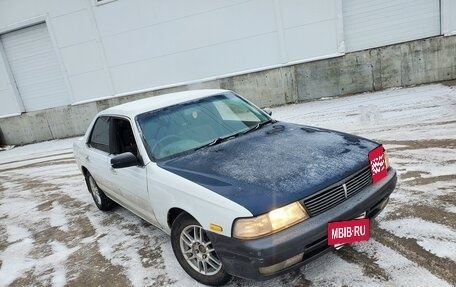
<point x="335" y="194"/>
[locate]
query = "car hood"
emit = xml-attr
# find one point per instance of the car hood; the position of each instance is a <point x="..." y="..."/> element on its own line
<point x="275" y="165"/>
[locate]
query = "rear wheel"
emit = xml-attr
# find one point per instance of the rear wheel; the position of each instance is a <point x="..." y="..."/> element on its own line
<point x="195" y="253"/>
<point x="99" y="197"/>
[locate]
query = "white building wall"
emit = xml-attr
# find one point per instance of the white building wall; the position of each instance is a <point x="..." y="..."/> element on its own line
<point x="8" y="102"/>
<point x="124" y="46"/>
<point x="167" y="42"/>
<point x="374" y="23"/>
<point x="129" y="45"/>
<point x="448" y="13"/>
<point x="311" y="31"/>
<point x="75" y="38"/>
<point x="37" y="72"/>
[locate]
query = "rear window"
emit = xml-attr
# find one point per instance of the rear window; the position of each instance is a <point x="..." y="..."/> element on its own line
<point x="99" y="138"/>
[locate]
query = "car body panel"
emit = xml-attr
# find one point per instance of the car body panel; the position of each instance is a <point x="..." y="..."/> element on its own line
<point x="130" y="186"/>
<point x="264" y="169"/>
<point x="244" y="257"/>
<point x="168" y="191"/>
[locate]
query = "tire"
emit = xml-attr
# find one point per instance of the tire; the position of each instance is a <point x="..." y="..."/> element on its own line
<point x="195" y="253"/>
<point x="103" y="202"/>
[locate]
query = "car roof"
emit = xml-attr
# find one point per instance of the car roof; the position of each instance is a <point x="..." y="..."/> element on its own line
<point x="134" y="108"/>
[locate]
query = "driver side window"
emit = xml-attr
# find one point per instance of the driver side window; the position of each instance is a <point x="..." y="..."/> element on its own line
<point x="122" y="138"/>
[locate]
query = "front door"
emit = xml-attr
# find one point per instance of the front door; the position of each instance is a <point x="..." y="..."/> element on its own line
<point x="129" y="183"/>
<point x="97" y="155"/>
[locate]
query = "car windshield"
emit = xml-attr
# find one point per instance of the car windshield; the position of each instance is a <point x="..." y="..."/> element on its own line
<point x="194" y="125"/>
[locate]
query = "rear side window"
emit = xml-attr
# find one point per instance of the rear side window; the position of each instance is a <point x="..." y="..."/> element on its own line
<point x="99" y="138"/>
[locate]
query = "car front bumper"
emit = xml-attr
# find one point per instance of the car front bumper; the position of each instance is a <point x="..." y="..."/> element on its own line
<point x="243" y="258"/>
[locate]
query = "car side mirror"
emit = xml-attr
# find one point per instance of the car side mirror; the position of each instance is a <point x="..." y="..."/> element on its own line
<point x="268" y="111"/>
<point x="125" y="159"/>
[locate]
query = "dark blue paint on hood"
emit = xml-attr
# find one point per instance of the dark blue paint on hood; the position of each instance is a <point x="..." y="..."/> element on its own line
<point x="275" y="165"/>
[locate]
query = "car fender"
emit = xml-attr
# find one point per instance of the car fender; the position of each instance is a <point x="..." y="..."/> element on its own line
<point x="168" y="190"/>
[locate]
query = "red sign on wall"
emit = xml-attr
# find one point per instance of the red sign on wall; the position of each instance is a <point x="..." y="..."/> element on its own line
<point x="348" y="231"/>
<point x="377" y="164"/>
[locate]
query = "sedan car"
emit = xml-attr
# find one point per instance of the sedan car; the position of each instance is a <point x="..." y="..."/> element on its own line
<point x="240" y="194"/>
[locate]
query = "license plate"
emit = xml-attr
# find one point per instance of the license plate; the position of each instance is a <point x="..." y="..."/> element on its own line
<point x="348" y="231"/>
<point x="377" y="164"/>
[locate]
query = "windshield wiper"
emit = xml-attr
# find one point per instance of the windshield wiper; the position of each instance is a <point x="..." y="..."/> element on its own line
<point x="222" y="139"/>
<point x="215" y="141"/>
<point x="257" y="126"/>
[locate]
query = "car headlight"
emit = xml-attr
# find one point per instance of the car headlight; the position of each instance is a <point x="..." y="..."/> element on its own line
<point x="385" y="156"/>
<point x="271" y="222"/>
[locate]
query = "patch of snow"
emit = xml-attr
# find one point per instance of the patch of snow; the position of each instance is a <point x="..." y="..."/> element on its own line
<point x="331" y="270"/>
<point x="34" y="150"/>
<point x="59" y="276"/>
<point x="60" y="254"/>
<point x="6" y="147"/>
<point x="426" y="194"/>
<point x="58" y="217"/>
<point x="430" y="161"/>
<point x="16" y="261"/>
<point x="21" y="210"/>
<point x="389" y="114"/>
<point x="173" y="267"/>
<point x="16" y="233"/>
<point x="120" y="246"/>
<point x="402" y="271"/>
<point x="31" y="161"/>
<point x="451" y="209"/>
<point x="23" y="217"/>
<point x="435" y="238"/>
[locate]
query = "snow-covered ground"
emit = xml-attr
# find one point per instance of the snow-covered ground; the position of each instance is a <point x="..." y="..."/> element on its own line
<point x="51" y="233"/>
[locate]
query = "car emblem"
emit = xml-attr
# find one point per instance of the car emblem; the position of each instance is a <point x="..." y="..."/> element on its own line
<point x="345" y="189"/>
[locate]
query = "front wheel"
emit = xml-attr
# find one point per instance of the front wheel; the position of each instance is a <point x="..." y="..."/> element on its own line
<point x="195" y="253"/>
<point x="99" y="197"/>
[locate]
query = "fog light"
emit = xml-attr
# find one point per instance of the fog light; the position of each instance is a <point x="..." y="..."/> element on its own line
<point x="281" y="265"/>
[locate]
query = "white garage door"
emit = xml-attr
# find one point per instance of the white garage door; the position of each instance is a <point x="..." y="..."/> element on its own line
<point x="35" y="68"/>
<point x="374" y="23"/>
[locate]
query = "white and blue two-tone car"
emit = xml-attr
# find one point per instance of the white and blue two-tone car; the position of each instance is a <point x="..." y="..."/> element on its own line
<point x="240" y="193"/>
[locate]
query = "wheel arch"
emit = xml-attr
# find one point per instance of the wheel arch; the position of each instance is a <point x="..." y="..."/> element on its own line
<point x="84" y="170"/>
<point x="173" y="213"/>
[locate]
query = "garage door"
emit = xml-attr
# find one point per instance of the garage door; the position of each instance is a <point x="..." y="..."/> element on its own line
<point x="374" y="23"/>
<point x="35" y="68"/>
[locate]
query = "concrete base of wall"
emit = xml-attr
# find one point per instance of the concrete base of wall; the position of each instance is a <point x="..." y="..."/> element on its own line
<point x="411" y="63"/>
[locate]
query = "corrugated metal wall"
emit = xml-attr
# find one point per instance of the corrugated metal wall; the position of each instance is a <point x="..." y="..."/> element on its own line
<point x="374" y="23"/>
<point x="164" y="43"/>
<point x="35" y="68"/>
<point x="126" y="46"/>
